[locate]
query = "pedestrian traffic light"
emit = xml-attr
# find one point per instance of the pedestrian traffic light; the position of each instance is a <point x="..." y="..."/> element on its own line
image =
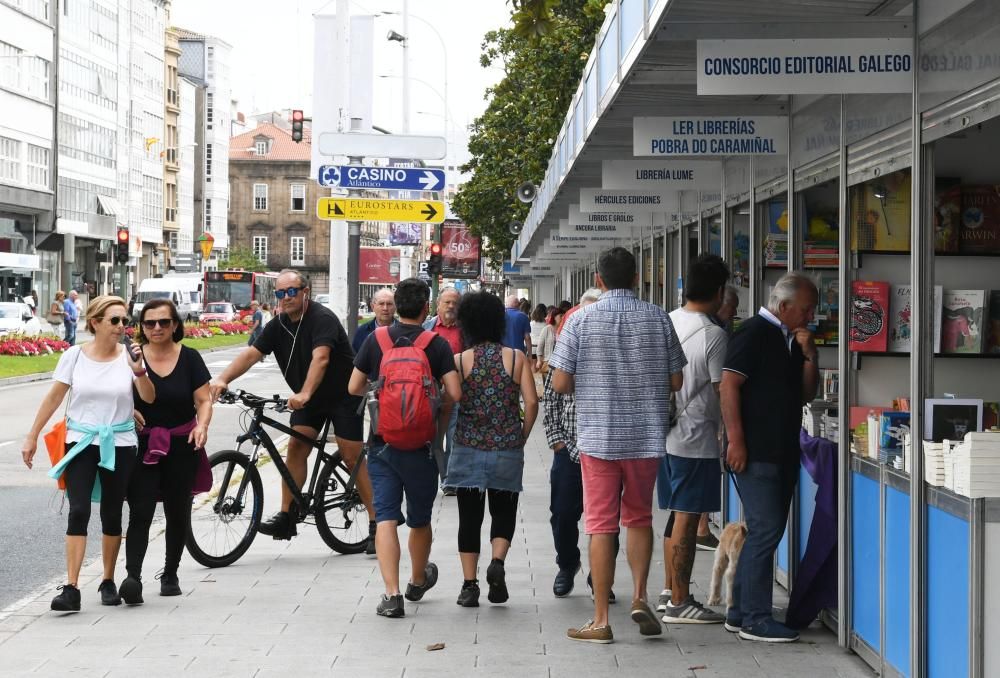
<point x="121" y="249"/>
<point x="297" y="120"/>
<point x="434" y="261"/>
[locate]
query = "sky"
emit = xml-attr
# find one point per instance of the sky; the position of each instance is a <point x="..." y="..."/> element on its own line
<point x="273" y="53"/>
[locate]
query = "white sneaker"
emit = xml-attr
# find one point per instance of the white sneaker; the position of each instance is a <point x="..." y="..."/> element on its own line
<point x="663" y="600"/>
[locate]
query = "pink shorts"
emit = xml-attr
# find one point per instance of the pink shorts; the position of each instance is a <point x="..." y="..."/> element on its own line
<point x="617" y="491"/>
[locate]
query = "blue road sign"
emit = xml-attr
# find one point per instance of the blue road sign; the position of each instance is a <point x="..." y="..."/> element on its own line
<point x="392" y="178"/>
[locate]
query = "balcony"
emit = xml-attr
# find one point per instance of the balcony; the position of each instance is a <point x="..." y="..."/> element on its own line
<point x="310" y="262"/>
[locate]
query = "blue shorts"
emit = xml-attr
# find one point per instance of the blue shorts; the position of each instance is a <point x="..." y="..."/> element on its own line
<point x="394" y="472"/>
<point x="693" y="485"/>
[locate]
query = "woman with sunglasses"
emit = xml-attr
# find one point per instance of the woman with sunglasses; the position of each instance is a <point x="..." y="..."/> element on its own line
<point x="100" y="439"/>
<point x="171" y="445"/>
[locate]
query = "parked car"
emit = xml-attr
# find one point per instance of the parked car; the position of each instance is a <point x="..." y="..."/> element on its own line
<point x="16" y="317"/>
<point x="219" y="312"/>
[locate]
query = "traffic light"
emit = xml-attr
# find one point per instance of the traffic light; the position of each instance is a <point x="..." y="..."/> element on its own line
<point x="297" y="120"/>
<point x="121" y="249"/>
<point x="434" y="261"/>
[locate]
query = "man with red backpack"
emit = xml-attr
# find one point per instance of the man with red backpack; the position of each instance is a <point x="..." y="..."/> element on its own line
<point x="406" y="364"/>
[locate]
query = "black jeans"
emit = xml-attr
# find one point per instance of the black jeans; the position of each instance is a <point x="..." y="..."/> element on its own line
<point x="171" y="480"/>
<point x="81" y="474"/>
<point x="566" y="507"/>
<point x="472" y="510"/>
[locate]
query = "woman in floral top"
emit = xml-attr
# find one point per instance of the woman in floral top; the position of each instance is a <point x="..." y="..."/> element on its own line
<point x="488" y="457"/>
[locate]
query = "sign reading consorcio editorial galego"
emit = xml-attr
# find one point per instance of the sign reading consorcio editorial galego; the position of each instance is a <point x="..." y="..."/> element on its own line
<point x="715" y="136"/>
<point x="825" y="66"/>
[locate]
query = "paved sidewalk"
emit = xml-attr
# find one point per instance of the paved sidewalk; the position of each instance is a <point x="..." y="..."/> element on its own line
<point x="298" y="609"/>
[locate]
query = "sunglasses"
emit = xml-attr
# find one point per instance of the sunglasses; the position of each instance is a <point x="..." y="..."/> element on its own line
<point x="292" y="292"/>
<point x="118" y="320"/>
<point x="162" y="322"/>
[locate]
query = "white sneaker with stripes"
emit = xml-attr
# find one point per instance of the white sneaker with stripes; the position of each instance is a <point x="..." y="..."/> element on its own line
<point x="691" y="612"/>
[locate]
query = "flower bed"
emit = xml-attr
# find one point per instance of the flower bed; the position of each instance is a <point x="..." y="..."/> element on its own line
<point x="205" y="330"/>
<point x="21" y="345"/>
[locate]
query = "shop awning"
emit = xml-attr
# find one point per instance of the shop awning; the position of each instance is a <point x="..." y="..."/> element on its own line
<point x="10" y="261"/>
<point x="110" y="207"/>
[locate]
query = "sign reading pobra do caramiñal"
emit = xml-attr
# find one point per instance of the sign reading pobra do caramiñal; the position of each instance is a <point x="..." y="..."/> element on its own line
<point x="823" y="66"/>
<point x="705" y="136"/>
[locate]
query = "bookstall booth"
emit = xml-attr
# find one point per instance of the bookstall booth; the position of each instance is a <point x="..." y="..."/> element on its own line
<point x="899" y="225"/>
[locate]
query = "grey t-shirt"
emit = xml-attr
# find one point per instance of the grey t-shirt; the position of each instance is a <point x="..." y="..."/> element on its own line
<point x="696" y="434"/>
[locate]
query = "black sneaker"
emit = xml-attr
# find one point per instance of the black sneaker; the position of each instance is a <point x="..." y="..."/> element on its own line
<point x="390" y="606"/>
<point x="563" y="584"/>
<point x="469" y="595"/>
<point x="370" y="545"/>
<point x="109" y="593"/>
<point x="279" y="526"/>
<point x="68" y="599"/>
<point x="449" y="491"/>
<point x="496" y="577"/>
<point x="169" y="585"/>
<point x="131" y="590"/>
<point x="415" y="592"/>
<point x="611" y="594"/>
<point x="706" y="542"/>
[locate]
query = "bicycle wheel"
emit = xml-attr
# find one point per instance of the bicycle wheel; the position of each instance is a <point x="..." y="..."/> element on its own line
<point x="224" y="522"/>
<point x="341" y="517"/>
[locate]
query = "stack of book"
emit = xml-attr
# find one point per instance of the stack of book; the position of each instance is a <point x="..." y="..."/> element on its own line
<point x="776" y="250"/>
<point x="934" y="472"/>
<point x="813" y="415"/>
<point x="831" y="426"/>
<point x="977" y="465"/>
<point x="820" y="254"/>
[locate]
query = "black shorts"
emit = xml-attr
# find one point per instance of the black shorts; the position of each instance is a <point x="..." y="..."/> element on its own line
<point x="347" y="423"/>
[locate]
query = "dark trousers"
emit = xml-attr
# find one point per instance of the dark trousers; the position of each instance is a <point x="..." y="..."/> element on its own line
<point x="171" y="480"/>
<point x="81" y="474"/>
<point x="566" y="507"/>
<point x="70" y="336"/>
<point x="472" y="510"/>
<point x="766" y="492"/>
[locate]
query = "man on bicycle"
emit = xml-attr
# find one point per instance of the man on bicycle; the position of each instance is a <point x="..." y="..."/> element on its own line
<point x="316" y="359"/>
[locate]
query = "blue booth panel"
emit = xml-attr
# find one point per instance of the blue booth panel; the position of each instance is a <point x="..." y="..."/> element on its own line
<point x="897" y="580"/>
<point x="864" y="559"/>
<point x="733" y="509"/>
<point x="807" y="508"/>
<point x="948" y="596"/>
<point x="783" y="554"/>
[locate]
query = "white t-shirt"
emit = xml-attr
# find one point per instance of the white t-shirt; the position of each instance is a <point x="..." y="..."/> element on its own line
<point x="704" y="343"/>
<point x="101" y="393"/>
<point x="536" y="334"/>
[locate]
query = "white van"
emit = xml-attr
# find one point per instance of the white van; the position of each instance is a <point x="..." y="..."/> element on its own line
<point x="183" y="291"/>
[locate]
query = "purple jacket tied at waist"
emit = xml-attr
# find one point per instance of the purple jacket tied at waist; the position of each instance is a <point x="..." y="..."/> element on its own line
<point x="159" y="446"/>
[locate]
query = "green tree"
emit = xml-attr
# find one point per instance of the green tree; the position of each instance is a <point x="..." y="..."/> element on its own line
<point x="243" y="258"/>
<point x="543" y="53"/>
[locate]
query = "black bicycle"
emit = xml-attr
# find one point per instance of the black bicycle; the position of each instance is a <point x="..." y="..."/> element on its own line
<point x="224" y="524"/>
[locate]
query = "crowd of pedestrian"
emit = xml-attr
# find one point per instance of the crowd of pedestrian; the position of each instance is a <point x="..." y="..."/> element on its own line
<point x="635" y="401"/>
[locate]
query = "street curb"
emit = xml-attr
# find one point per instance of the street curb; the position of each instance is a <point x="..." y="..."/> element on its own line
<point x="45" y="376"/>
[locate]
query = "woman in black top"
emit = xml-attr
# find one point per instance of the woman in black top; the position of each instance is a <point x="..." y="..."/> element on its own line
<point x="173" y="432"/>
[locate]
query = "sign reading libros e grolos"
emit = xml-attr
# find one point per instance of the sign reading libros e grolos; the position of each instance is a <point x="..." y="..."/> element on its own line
<point x="715" y="136"/>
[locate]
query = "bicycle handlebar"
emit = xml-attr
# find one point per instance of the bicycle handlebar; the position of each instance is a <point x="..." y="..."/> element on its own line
<point x="250" y="400"/>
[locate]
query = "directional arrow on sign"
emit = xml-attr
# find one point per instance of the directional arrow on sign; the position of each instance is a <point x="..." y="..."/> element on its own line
<point x="363" y="209"/>
<point x="381" y="178"/>
<point x="429" y="211"/>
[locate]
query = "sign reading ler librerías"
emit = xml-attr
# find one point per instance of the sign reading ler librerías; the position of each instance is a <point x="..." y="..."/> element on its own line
<point x="638" y="201"/>
<point x="677" y="175"/>
<point x="823" y="66"/>
<point x="715" y="136"/>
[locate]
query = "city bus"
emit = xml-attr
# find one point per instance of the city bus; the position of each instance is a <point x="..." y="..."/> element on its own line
<point x="239" y="288"/>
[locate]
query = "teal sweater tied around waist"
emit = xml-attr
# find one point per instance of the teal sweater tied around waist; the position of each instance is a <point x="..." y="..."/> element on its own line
<point x="105" y="436"/>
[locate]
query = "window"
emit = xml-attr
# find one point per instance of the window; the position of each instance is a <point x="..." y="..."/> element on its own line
<point x="10" y="159"/>
<point x="22" y="72"/>
<point x="38" y="166"/>
<point x="209" y="109"/>
<point x="298" y="198"/>
<point x="85" y="140"/>
<point x="260" y="197"/>
<point x="298" y="250"/>
<point x="260" y="248"/>
<point x="208" y="162"/>
<point x="173" y="240"/>
<point x="261" y="147"/>
<point x="208" y="214"/>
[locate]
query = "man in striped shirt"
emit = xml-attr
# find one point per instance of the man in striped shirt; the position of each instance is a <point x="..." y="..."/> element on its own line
<point x="621" y="358"/>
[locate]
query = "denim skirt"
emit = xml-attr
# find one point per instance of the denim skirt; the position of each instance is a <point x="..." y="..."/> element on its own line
<point x="486" y="469"/>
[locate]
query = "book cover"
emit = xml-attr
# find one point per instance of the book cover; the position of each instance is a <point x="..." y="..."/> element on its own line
<point x="826" y="320"/>
<point x="869" y="316"/>
<point x="962" y="321"/>
<point x="951" y="418"/>
<point x="892" y="427"/>
<point x="991" y="344"/>
<point x="991" y="416"/>
<point x="900" y="334"/>
<point x="980" y="227"/>
<point x="880" y="214"/>
<point x="947" y="214"/>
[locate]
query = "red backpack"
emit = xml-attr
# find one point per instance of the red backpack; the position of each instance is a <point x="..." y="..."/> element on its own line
<point x="408" y="395"/>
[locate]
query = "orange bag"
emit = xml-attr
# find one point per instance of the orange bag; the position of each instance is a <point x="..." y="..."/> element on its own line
<point x="55" y="443"/>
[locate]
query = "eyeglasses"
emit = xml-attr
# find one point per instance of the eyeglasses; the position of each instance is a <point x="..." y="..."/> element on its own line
<point x="162" y="322"/>
<point x="118" y="320"/>
<point x="292" y="292"/>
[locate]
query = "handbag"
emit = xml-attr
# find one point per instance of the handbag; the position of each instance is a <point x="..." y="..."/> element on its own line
<point x="55" y="439"/>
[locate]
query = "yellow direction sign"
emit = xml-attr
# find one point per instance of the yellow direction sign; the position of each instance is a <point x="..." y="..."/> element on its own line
<point x="360" y="209"/>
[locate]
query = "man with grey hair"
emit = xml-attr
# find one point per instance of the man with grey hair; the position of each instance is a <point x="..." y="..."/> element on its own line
<point x="385" y="314"/>
<point x="445" y="325"/>
<point x="517" y="334"/>
<point x="770" y="372"/>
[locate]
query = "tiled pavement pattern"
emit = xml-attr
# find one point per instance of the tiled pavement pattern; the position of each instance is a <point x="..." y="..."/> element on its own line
<point x="297" y="609"/>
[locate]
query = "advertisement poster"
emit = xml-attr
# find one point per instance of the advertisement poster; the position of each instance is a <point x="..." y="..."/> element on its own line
<point x="404" y="233"/>
<point x="379" y="266"/>
<point x="460" y="251"/>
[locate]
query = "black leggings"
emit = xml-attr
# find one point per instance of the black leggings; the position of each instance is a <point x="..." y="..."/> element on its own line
<point x="471" y="510"/>
<point x="171" y="481"/>
<point x="81" y="474"/>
